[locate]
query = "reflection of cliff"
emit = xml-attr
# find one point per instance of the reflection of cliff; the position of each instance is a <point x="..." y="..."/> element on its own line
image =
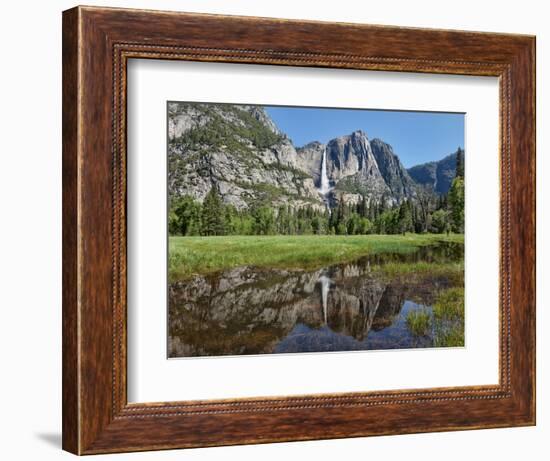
<point x="389" y="307"/>
<point x="251" y="311"/>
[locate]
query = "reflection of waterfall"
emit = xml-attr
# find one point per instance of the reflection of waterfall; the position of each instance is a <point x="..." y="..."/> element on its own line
<point x="325" y="287"/>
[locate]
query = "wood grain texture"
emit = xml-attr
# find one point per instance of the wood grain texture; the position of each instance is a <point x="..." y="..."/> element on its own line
<point x="97" y="43"/>
<point x="70" y="384"/>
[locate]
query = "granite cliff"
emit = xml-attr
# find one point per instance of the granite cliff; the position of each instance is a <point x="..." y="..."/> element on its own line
<point x="240" y="151"/>
<point x="437" y="176"/>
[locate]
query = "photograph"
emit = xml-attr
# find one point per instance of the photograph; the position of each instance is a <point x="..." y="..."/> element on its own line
<point x="313" y="229"/>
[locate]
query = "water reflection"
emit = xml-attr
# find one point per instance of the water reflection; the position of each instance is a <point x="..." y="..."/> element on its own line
<point x="343" y="307"/>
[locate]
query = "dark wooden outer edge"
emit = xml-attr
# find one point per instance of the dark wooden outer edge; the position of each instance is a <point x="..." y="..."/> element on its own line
<point x="97" y="44"/>
<point x="70" y="381"/>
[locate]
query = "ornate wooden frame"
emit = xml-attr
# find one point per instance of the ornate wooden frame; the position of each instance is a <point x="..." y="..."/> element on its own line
<point x="97" y="43"/>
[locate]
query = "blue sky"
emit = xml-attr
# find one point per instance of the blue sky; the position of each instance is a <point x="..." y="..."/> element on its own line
<point x="416" y="137"/>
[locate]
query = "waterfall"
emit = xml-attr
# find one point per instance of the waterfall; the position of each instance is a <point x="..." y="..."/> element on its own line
<point x="325" y="185"/>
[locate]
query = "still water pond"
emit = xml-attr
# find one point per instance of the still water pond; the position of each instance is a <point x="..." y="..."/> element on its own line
<point x="342" y="307"/>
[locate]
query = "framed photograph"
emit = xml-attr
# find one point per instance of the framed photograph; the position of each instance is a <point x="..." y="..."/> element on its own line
<point x="282" y="230"/>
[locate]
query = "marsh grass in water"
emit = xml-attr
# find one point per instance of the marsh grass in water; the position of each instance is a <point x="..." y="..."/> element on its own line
<point x="448" y="313"/>
<point x="419" y="322"/>
<point x="189" y="256"/>
<point x="454" y="271"/>
<point x="446" y="320"/>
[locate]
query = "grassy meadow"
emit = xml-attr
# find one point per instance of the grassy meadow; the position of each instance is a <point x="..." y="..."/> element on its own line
<point x="202" y="255"/>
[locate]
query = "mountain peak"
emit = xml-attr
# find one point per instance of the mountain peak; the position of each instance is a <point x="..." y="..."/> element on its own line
<point x="311" y="144"/>
<point x="359" y="133"/>
<point x="379" y="142"/>
<point x="437" y="175"/>
<point x="396" y="176"/>
<point x="260" y="114"/>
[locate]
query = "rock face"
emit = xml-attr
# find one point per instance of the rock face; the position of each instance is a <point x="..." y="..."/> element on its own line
<point x="242" y="153"/>
<point x="239" y="151"/>
<point x="347" y="157"/>
<point x="394" y="173"/>
<point x="308" y="159"/>
<point x="357" y="167"/>
<point x="436" y="175"/>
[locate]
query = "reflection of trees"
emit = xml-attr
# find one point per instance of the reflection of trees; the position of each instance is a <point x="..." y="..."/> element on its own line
<point x="250" y="311"/>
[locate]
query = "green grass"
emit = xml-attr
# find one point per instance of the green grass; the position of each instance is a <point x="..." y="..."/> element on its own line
<point x="454" y="271"/>
<point x="419" y="322"/>
<point x="448" y="312"/>
<point x="450" y="304"/>
<point x="447" y="321"/>
<point x="203" y="255"/>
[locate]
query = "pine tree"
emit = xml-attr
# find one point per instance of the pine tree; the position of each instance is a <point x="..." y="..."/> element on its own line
<point x="363" y="207"/>
<point x="424" y="199"/>
<point x="439" y="221"/>
<point x="373" y="211"/>
<point x="184" y="216"/>
<point x="230" y="218"/>
<point x="459" y="163"/>
<point x="405" y="218"/>
<point x="282" y="220"/>
<point x="340" y="224"/>
<point x="264" y="221"/>
<point x="213" y="222"/>
<point x="456" y="204"/>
